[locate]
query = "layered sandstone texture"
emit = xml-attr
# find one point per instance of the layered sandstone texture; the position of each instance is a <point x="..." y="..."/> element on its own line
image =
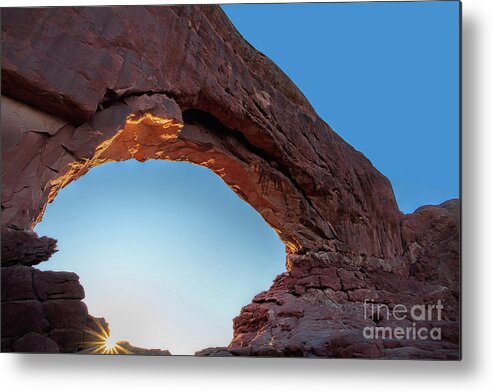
<point x="84" y="86"/>
<point x="317" y="308"/>
<point x="42" y="311"/>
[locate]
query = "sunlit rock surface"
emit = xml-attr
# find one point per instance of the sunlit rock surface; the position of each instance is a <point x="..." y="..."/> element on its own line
<point x="183" y="85"/>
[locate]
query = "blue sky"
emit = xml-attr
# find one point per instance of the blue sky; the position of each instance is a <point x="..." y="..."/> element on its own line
<point x="169" y="254"/>
<point x="166" y="252"/>
<point x="383" y="75"/>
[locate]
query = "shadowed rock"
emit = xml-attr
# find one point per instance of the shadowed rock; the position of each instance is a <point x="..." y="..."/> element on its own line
<point x="42" y="311"/>
<point x="25" y="247"/>
<point x="318" y="307"/>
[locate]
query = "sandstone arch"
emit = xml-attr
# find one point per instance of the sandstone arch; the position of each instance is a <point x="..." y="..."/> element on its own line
<point x="85" y="85"/>
<point x="152" y="127"/>
<point x="194" y="56"/>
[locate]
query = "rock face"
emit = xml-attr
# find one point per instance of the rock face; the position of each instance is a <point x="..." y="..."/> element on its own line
<point x="25" y="247"/>
<point x="432" y="245"/>
<point x="317" y="308"/>
<point x="42" y="311"/>
<point x="183" y="85"/>
<point x="310" y="185"/>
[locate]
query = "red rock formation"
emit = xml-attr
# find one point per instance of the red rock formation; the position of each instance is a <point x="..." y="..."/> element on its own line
<point x="42" y="311"/>
<point x="194" y="56"/>
<point x="25" y="247"/>
<point x="432" y="246"/>
<point x="317" y="308"/>
<point x="182" y="84"/>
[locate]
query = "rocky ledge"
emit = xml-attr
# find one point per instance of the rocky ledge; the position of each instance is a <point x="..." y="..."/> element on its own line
<point x="326" y="305"/>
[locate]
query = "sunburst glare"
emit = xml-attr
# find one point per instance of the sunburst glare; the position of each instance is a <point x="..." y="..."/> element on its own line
<point x="101" y="342"/>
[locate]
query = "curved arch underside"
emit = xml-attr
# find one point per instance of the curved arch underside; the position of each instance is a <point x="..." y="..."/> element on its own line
<point x="152" y="127"/>
<point x="84" y="86"/>
<point x="194" y="56"/>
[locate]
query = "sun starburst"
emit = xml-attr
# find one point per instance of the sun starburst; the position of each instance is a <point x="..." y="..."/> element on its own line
<point x="101" y="342"/>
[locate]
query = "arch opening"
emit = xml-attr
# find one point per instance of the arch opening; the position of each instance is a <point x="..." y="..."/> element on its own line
<point x="146" y="127"/>
<point x="174" y="254"/>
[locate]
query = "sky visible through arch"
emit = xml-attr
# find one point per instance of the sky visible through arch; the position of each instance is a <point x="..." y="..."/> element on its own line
<point x="166" y="251"/>
<point x="169" y="254"/>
